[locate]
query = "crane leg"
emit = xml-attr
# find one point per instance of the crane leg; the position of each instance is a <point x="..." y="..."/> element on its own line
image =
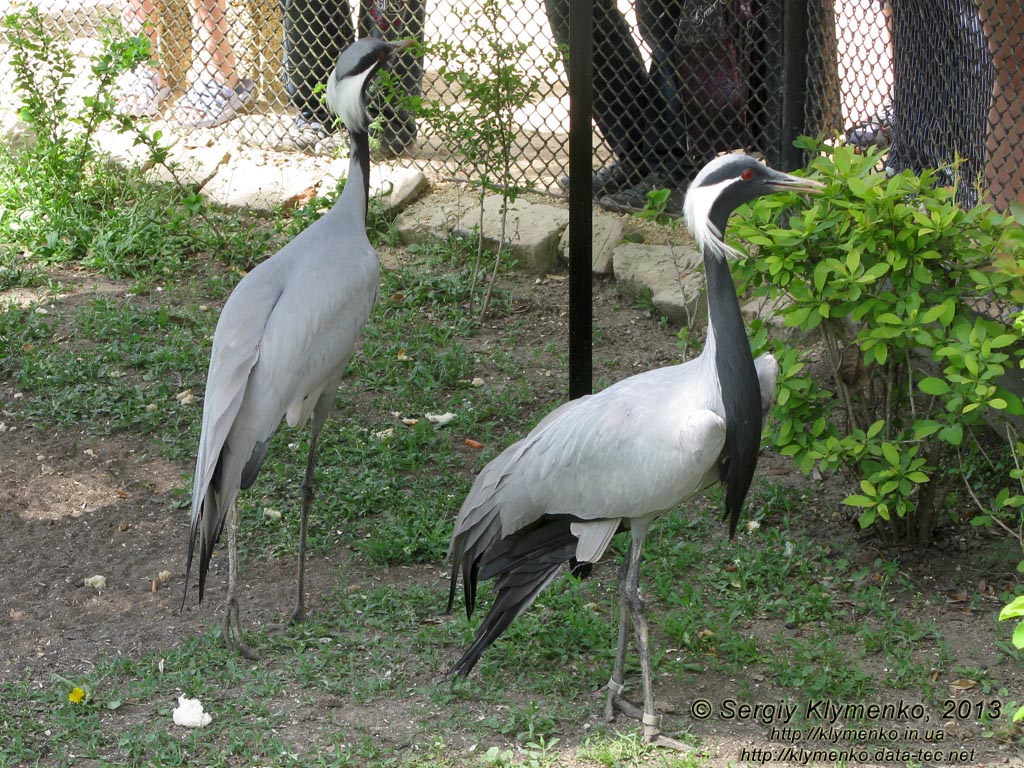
<point x="320" y="411"/>
<point x="615" y="686"/>
<point x="232" y="629"/>
<point x="633" y="602"/>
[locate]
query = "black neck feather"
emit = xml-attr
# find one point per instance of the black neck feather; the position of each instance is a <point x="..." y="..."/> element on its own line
<point x="358" y="180"/>
<point x="741" y="392"/>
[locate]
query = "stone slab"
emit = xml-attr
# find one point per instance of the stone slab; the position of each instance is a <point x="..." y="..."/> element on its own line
<point x="673" y="276"/>
<point x="606" y="234"/>
<point x="532" y="230"/>
<point x="260" y="187"/>
<point x="194" y="167"/>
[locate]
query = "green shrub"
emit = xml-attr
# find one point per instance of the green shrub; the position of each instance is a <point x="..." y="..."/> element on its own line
<point x="893" y="279"/>
<point x="60" y="197"/>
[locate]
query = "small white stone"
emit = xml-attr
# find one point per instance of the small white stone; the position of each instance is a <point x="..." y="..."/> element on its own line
<point x="189" y="713"/>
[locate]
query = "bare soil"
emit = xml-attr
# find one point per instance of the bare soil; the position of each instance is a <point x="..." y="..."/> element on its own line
<point x="74" y="504"/>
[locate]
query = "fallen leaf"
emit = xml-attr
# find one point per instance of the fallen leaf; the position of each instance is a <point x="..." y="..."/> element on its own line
<point x="963" y="684"/>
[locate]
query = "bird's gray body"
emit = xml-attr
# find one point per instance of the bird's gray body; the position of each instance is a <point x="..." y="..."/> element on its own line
<point x="618" y="459"/>
<point x="283" y="340"/>
<point x="630" y="452"/>
<point x="299" y="312"/>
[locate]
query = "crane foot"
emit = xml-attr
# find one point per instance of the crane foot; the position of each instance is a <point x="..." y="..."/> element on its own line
<point x="658" y="739"/>
<point x="298" y="616"/>
<point x="232" y="633"/>
<point x="618" y="704"/>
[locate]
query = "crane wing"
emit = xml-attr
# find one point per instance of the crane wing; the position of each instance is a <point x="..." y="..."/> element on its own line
<point x="610" y="458"/>
<point x="235" y="353"/>
<point x="633" y="450"/>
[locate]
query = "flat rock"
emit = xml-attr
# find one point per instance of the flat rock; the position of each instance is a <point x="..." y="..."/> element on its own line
<point x="260" y="187"/>
<point x="122" y="149"/>
<point x="532" y="230"/>
<point x="193" y="167"/>
<point x="606" y="234"/>
<point x="672" y="275"/>
<point x="395" y="187"/>
<point x="432" y="219"/>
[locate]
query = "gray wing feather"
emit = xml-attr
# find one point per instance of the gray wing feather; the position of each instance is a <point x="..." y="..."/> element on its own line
<point x="283" y="339"/>
<point x="605" y="457"/>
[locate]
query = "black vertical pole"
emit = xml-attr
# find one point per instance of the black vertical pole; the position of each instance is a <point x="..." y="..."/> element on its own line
<point x="794" y="83"/>
<point x="581" y="295"/>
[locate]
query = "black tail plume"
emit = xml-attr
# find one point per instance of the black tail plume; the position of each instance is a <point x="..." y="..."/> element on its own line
<point x="522" y="564"/>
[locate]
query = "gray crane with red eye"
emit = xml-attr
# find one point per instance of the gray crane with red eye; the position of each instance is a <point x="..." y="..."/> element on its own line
<point x="619" y="459"/>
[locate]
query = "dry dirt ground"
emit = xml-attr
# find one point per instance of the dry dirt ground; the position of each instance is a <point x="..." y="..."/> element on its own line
<point x="73" y="504"/>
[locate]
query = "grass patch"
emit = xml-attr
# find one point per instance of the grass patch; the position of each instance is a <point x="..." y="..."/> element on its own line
<point x="810" y="620"/>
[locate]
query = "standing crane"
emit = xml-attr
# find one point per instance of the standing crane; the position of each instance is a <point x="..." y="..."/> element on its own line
<point x="282" y="342"/>
<point x="619" y="459"/>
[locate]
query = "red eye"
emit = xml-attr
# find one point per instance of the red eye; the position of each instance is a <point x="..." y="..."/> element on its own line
<point x="747" y="174"/>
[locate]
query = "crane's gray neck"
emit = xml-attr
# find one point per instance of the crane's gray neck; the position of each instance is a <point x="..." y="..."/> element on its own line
<point x="356" y="194"/>
<point x="737" y="377"/>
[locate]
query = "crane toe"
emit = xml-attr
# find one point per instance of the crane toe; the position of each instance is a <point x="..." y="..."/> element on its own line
<point x="232" y="633"/>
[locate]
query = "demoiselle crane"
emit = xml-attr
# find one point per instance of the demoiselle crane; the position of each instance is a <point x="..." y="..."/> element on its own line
<point x="282" y="342"/>
<point x="619" y="459"/>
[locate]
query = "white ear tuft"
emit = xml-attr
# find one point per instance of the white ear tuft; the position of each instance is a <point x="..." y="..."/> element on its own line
<point x="345" y="98"/>
<point x="697" y="209"/>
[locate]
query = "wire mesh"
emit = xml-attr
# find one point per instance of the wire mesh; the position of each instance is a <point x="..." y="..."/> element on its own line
<point x="675" y="81"/>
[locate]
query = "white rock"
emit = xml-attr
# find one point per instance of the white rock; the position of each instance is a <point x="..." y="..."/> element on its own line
<point x="440" y="418"/>
<point x="189" y="713"/>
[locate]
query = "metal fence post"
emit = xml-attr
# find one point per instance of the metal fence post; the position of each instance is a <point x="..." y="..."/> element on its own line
<point x="581" y="70"/>
<point x="794" y="82"/>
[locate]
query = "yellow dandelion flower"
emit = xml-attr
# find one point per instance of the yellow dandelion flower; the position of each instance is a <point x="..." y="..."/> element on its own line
<point x="77" y="695"/>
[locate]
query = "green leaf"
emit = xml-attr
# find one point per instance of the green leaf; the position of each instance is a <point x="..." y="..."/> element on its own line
<point x="953" y="434"/>
<point x="856" y="500"/>
<point x="1018" y="636"/>
<point x="1013" y="610"/>
<point x="933" y="313"/>
<point x="891" y="454"/>
<point x="933" y="386"/>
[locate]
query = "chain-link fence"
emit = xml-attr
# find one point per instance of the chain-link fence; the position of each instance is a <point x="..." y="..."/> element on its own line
<point x="675" y="81"/>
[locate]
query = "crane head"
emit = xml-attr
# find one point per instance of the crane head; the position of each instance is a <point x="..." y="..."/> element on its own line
<point x="726" y="183"/>
<point x="357" y="65"/>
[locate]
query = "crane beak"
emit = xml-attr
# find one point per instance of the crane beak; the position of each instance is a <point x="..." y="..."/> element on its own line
<point x="783" y="182"/>
<point x="400" y="45"/>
